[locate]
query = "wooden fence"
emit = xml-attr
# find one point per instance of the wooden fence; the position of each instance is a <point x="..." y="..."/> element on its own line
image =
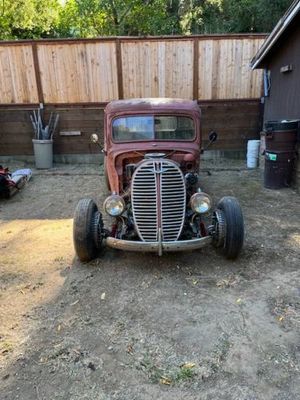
<point x="90" y="71"/>
<point x="234" y="121"/>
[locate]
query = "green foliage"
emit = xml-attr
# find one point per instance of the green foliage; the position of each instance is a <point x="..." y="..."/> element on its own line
<point x="22" y="19"/>
<point x="91" y="18"/>
<point x="222" y="16"/>
<point x="184" y="373"/>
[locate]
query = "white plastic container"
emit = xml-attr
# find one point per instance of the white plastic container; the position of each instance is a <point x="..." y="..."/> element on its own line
<point x="252" y="153"/>
<point x="43" y="153"/>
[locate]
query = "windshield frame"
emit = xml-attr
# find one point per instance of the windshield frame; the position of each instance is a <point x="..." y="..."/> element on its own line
<point x="154" y="139"/>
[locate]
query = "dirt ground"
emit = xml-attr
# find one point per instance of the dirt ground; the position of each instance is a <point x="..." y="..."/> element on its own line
<point x="135" y="326"/>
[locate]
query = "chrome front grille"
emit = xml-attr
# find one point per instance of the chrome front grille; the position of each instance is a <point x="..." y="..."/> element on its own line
<point x="158" y="199"/>
<point x="144" y="202"/>
<point x="172" y="202"/>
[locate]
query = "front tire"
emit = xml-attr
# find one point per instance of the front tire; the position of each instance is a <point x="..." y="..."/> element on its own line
<point x="229" y="227"/>
<point x="87" y="230"/>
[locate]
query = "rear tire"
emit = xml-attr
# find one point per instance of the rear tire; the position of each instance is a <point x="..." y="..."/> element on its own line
<point x="87" y="230"/>
<point x="232" y="230"/>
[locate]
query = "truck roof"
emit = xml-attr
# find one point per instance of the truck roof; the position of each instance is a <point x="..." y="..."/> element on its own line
<point x="151" y="104"/>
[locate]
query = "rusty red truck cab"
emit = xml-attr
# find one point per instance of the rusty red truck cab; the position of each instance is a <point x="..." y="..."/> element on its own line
<point x="151" y="162"/>
<point x="124" y="146"/>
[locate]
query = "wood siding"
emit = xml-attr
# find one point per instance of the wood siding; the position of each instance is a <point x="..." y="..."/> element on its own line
<point x="100" y="70"/>
<point x="284" y="99"/>
<point x="235" y="122"/>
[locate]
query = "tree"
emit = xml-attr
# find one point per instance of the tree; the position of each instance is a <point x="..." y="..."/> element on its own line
<point x="242" y="15"/>
<point x="115" y="17"/>
<point x="223" y="16"/>
<point x="24" y="19"/>
<point x="90" y="18"/>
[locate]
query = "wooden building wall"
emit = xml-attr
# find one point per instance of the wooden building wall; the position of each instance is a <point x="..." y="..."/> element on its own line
<point x="283" y="101"/>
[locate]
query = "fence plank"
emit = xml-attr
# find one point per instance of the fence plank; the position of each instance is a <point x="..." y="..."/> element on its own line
<point x="83" y="72"/>
<point x="224" y="70"/>
<point x="17" y="76"/>
<point x="158" y="69"/>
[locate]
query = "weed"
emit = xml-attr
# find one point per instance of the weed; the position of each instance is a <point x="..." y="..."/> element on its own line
<point x="185" y="373"/>
<point x="6" y="347"/>
<point x="169" y="375"/>
<point x="155" y="373"/>
<point x="59" y="259"/>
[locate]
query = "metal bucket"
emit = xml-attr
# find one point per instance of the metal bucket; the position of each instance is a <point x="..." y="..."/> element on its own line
<point x="280" y="152"/>
<point x="278" y="169"/>
<point x="43" y="153"/>
<point x="281" y="135"/>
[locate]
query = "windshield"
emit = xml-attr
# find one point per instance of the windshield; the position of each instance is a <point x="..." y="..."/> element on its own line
<point x="149" y="127"/>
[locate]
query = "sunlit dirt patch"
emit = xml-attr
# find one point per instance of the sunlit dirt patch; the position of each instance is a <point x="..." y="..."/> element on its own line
<point x="294" y="240"/>
<point x="33" y="253"/>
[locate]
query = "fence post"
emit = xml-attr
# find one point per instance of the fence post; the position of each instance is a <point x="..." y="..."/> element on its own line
<point x="119" y="68"/>
<point x="196" y="69"/>
<point x="37" y="73"/>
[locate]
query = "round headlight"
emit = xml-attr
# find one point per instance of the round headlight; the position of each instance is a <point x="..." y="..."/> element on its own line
<point x="114" y="205"/>
<point x="200" y="203"/>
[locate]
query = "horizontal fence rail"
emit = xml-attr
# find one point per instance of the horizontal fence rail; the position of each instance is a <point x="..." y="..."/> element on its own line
<point x="89" y="71"/>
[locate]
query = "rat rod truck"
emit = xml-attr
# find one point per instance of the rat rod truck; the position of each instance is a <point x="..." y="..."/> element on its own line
<point x="151" y="162"/>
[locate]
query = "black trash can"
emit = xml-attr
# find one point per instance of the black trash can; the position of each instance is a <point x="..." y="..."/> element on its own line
<point x="280" y="154"/>
<point x="278" y="169"/>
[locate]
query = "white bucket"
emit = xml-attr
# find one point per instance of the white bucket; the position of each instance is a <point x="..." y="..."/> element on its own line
<point x="252" y="153"/>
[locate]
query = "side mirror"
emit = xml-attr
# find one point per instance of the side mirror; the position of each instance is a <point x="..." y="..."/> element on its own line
<point x="94" y="138"/>
<point x="213" y="136"/>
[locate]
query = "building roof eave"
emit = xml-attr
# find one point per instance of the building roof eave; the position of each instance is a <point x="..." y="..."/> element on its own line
<point x="274" y="36"/>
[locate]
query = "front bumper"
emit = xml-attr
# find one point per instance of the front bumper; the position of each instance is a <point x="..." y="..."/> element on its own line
<point x="158" y="247"/>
